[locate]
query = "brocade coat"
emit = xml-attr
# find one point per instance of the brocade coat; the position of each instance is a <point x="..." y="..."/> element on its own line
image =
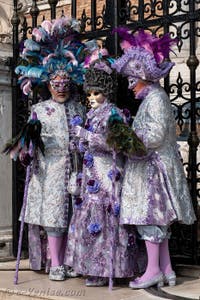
<point x="155" y="190"/>
<point x="48" y="199"/>
<point x="95" y="235"/>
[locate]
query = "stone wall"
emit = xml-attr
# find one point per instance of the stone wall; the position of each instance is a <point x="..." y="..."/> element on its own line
<point x="5" y="132"/>
<point x="5" y="164"/>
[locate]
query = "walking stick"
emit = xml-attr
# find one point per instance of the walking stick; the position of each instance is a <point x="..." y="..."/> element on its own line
<point x="112" y="237"/>
<point x="22" y="224"/>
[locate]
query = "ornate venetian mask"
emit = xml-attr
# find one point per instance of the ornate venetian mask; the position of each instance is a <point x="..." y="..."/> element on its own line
<point x="95" y="98"/>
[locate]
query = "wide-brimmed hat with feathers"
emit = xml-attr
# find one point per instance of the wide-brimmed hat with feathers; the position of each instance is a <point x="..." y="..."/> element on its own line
<point x="144" y="55"/>
<point x="54" y="46"/>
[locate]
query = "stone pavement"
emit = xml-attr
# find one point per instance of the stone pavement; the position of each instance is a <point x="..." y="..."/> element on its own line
<point x="36" y="285"/>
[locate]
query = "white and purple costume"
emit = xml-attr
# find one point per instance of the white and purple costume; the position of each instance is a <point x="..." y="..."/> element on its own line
<point x="94" y="233"/>
<point x="155" y="190"/>
<point x="48" y="201"/>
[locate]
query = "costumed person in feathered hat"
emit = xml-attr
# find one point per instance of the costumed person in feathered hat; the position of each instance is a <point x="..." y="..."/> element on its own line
<point x="154" y="190"/>
<point x="97" y="246"/>
<point x="53" y="57"/>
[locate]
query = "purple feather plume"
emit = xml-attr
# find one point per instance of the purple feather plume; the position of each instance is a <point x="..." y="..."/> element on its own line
<point x="159" y="47"/>
<point x="124" y="34"/>
<point x="162" y="46"/>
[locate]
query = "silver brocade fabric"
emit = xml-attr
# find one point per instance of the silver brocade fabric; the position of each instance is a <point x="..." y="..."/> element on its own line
<point x="154" y="190"/>
<point x="47" y="202"/>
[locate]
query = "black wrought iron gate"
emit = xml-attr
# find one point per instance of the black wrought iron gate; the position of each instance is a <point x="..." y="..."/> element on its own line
<point x="180" y="18"/>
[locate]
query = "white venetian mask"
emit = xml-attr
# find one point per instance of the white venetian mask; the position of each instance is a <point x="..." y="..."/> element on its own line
<point x="95" y="98"/>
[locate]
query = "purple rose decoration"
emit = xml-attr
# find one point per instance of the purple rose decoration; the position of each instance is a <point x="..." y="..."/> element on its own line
<point x="94" y="228"/>
<point x="79" y="179"/>
<point x="116" y="209"/>
<point x="49" y="110"/>
<point x="77" y="120"/>
<point x="78" y="202"/>
<point x="114" y="175"/>
<point x="89" y="127"/>
<point x="93" y="186"/>
<point x="88" y="160"/>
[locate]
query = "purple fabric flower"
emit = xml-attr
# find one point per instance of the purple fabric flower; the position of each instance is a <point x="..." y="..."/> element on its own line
<point x="88" y="160"/>
<point x="82" y="146"/>
<point x="93" y="186"/>
<point x="116" y="209"/>
<point x="89" y="127"/>
<point x="77" y="120"/>
<point x="94" y="228"/>
<point x="114" y="175"/>
<point x="79" y="178"/>
<point x="78" y="202"/>
<point x="49" y="110"/>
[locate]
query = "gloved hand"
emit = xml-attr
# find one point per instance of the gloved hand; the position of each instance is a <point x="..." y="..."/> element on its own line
<point x="80" y="132"/>
<point x="95" y="140"/>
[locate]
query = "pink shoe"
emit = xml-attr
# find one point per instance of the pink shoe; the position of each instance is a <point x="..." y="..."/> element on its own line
<point x="137" y="284"/>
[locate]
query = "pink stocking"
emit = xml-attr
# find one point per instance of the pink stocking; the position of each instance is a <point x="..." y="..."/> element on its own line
<point x="55" y="246"/>
<point x="62" y="251"/>
<point x="153" y="261"/>
<point x="165" y="262"/>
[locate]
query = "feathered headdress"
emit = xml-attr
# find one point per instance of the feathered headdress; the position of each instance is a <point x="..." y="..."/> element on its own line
<point x="99" y="75"/>
<point x="54" y="46"/>
<point x="144" y="55"/>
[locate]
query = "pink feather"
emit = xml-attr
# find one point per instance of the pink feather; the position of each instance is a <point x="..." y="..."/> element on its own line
<point x="97" y="53"/>
<point x="15" y="151"/>
<point x="72" y="57"/>
<point x="45" y="60"/>
<point x="47" y="25"/>
<point x="27" y="87"/>
<point x="37" y="34"/>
